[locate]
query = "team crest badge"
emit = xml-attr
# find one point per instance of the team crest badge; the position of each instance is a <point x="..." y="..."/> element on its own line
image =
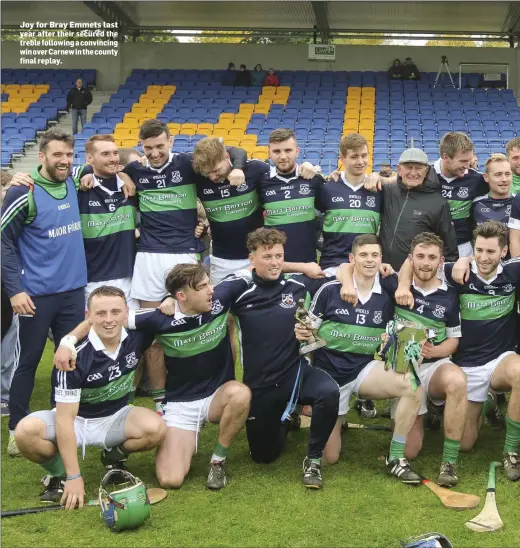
<point x="242" y="187"/>
<point x="176" y="177"/>
<point x="508" y="288"/>
<point x="371" y="201"/>
<point x="288" y="301"/>
<point x="508" y="210"/>
<point x="131" y="360"/>
<point x="216" y="307"/>
<point x="378" y="316"/>
<point x="463" y="192"/>
<point x="439" y="311"/>
<point x="305" y="189"/>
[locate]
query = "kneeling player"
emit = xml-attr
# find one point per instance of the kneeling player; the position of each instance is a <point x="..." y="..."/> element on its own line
<point x="435" y="307"/>
<point x="91" y="403"/>
<point x="353" y="333"/>
<point x="486" y="351"/>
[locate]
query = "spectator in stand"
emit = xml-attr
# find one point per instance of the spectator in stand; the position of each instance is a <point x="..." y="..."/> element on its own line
<point x="243" y="77"/>
<point x="272" y="78"/>
<point x="78" y="99"/>
<point x="229" y="76"/>
<point x="395" y="72"/>
<point x="410" y="70"/>
<point x="258" y="76"/>
<point x="386" y="170"/>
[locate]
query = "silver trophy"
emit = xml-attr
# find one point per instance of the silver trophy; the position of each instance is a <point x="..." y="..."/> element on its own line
<point x="303" y="318"/>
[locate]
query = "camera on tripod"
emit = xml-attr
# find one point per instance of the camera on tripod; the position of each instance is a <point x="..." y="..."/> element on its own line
<point x="444" y="60"/>
<point x="444" y="68"/>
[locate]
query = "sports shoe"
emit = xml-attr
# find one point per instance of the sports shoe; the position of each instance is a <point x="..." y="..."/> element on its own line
<point x="434" y="415"/>
<point x="447" y="475"/>
<point x="4" y="409"/>
<point x="366" y="409"/>
<point x="217" y="475"/>
<point x="312" y="474"/>
<point x="12" y="448"/>
<point x="512" y="466"/>
<point x="401" y="469"/>
<point x="53" y="489"/>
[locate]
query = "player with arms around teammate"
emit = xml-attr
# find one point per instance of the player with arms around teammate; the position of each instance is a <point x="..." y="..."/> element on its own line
<point x="435" y="306"/>
<point x="486" y="351"/>
<point x="43" y="263"/>
<point x="91" y="402"/>
<point x="353" y="333"/>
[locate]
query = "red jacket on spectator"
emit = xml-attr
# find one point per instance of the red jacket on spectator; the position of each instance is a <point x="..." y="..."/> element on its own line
<point x="272" y="79"/>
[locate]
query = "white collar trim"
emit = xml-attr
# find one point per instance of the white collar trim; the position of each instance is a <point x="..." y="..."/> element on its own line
<point x="376" y="288"/>
<point x="474" y="269"/>
<point x="345" y="182"/>
<point x="98" y="344"/>
<point x="425" y="292"/>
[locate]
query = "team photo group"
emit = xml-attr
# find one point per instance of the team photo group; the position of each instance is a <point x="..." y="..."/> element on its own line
<point x="248" y="293"/>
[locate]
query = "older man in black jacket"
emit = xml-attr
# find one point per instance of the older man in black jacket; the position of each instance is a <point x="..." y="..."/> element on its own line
<point x="412" y="206"/>
<point x="78" y="99"/>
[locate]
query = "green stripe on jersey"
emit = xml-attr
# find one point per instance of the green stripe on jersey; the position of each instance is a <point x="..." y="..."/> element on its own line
<point x="460" y="209"/>
<point x="485" y="307"/>
<point x="408" y="315"/>
<point x="231" y="209"/>
<point x="194" y="342"/>
<point x="351" y="338"/>
<point x="351" y="221"/>
<point x="291" y="211"/>
<point x="168" y="199"/>
<point x="114" y="390"/>
<point x="98" y="225"/>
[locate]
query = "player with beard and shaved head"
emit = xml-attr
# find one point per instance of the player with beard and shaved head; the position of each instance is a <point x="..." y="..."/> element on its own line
<point x="43" y="262"/>
<point x="436" y="307"/>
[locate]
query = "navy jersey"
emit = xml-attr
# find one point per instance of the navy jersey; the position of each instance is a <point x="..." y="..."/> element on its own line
<point x="168" y="205"/>
<point x="289" y="206"/>
<point x="349" y="211"/>
<point x="265" y="319"/>
<point x="486" y="310"/>
<point x="197" y="348"/>
<point x="102" y="382"/>
<point x="108" y="225"/>
<point x="353" y="333"/>
<point x="233" y="212"/>
<point x="436" y="310"/>
<point x="460" y="193"/>
<point x="485" y="208"/>
<point x="514" y="217"/>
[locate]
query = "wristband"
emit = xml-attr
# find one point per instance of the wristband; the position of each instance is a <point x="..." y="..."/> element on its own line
<point x="69" y="478"/>
<point x="69" y="342"/>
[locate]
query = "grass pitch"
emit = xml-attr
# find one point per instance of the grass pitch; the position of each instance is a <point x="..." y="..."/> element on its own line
<point x="266" y="505"/>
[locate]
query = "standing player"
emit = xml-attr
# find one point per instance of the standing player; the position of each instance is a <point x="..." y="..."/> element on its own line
<point x="353" y="333"/>
<point x="435" y="307"/>
<point x="486" y="351"/>
<point x="43" y="263"/>
<point x="289" y="199"/>
<point x="513" y="155"/>
<point x="460" y="184"/>
<point x="349" y="209"/>
<point x="91" y="402"/>
<point x="496" y="204"/>
<point x="273" y="368"/>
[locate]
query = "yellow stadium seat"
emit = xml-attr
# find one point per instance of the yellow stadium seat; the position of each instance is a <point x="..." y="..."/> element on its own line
<point x="153" y="94"/>
<point x="138" y="109"/>
<point x="6" y="107"/>
<point x="173" y="126"/>
<point x="223" y="127"/>
<point x="230" y="142"/>
<point x="152" y="112"/>
<point x="169" y="89"/>
<point x="246" y="107"/>
<point x="350" y="129"/>
<point x="220" y="133"/>
<point x="243" y="116"/>
<point x="260" y="109"/>
<point x="154" y="88"/>
<point x="226" y="116"/>
<point x="269" y="90"/>
<point x="188" y="131"/>
<point x="174" y="132"/>
<point x="366" y="125"/>
<point x="283" y="89"/>
<point x="188" y="126"/>
<point x="260" y="153"/>
<point x="10" y="88"/>
<point x="127" y="143"/>
<point x="354" y="90"/>
<point x="205" y="129"/>
<point x="249" y="139"/>
<point x="145" y="102"/>
<point x="237" y="133"/>
<point x="280" y="100"/>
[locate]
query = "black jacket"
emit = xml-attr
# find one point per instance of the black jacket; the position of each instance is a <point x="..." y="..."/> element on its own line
<point x="243" y="78"/>
<point x="79" y="98"/>
<point x="408" y="212"/>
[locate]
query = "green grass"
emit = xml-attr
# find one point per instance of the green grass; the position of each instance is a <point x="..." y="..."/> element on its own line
<point x="267" y="505"/>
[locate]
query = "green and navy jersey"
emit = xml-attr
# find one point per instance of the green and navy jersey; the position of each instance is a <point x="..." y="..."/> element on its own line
<point x="515" y="187"/>
<point x="168" y="205"/>
<point x="197" y="349"/>
<point x="233" y="211"/>
<point x="460" y="193"/>
<point x="486" y="311"/>
<point x="108" y="225"/>
<point x="514" y="217"/>
<point x="289" y="206"/>
<point x="102" y="381"/>
<point x="348" y="212"/>
<point x="485" y="208"/>
<point x="352" y="333"/>
<point x="264" y="314"/>
<point x="436" y="310"/>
